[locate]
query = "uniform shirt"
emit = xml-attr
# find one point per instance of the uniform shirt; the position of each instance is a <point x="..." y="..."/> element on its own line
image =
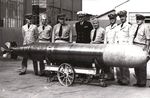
<point x="122" y="33"/>
<point x="110" y="34"/>
<point x="143" y="33"/>
<point x="29" y="34"/>
<point x="66" y="33"/>
<point x="46" y="33"/>
<point x="99" y="35"/>
<point x="83" y="32"/>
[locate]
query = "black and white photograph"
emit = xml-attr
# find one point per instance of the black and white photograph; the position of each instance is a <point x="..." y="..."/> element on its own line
<point x="74" y="49"/>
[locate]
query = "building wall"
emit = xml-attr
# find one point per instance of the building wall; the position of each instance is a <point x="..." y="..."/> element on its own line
<point x="135" y="7"/>
<point x="12" y="14"/>
<point x="69" y="7"/>
<point x="12" y="18"/>
<point x="132" y="16"/>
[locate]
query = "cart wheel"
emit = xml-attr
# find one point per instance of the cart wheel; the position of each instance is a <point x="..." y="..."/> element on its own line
<point x="66" y="74"/>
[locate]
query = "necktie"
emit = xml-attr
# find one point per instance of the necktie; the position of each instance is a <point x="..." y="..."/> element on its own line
<point x="28" y="26"/>
<point x="122" y="25"/>
<point x="60" y="31"/>
<point x="43" y="27"/>
<point x="136" y="31"/>
<point x="94" y="36"/>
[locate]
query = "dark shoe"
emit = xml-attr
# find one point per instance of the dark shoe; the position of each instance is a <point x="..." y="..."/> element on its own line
<point x="42" y="74"/>
<point x="36" y="73"/>
<point x="22" y="73"/>
<point x="110" y="79"/>
<point x="121" y="83"/>
<point x="139" y="85"/>
<point x="124" y="84"/>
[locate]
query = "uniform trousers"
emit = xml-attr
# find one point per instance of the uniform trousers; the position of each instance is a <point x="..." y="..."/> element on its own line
<point x="109" y="71"/>
<point x="24" y="65"/>
<point x="141" y="72"/>
<point x="42" y="64"/>
<point x="123" y="75"/>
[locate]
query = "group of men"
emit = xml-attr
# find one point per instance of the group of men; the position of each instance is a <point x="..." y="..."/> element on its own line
<point x="123" y="33"/>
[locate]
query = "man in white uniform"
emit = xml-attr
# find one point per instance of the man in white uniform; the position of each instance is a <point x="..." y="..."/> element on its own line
<point x="110" y="39"/>
<point x="122" y="37"/>
<point x="30" y="34"/>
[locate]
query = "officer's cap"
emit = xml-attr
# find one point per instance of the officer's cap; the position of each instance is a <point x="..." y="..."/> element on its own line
<point x="112" y="16"/>
<point x="81" y="13"/>
<point x="61" y="16"/>
<point x="122" y="13"/>
<point x="29" y="16"/>
<point x="139" y="17"/>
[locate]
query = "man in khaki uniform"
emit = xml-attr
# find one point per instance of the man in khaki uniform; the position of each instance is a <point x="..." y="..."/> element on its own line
<point x="110" y="39"/>
<point x="45" y="33"/>
<point x="30" y="33"/>
<point x="140" y="35"/>
<point x="122" y="37"/>
<point x="44" y="30"/>
<point x="97" y="37"/>
<point x="97" y="34"/>
<point x="62" y="32"/>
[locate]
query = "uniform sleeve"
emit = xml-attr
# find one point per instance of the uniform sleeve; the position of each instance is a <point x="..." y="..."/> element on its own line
<point x="147" y="32"/>
<point x="70" y="34"/>
<point x="105" y="36"/>
<point x="50" y="33"/>
<point x="53" y="34"/>
<point x="90" y="26"/>
<point x="23" y="32"/>
<point x="36" y="34"/>
<point x="76" y="27"/>
<point x="116" y="35"/>
<point x="132" y="33"/>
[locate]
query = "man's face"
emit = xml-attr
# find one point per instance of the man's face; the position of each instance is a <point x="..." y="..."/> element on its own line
<point x="81" y="18"/>
<point x="112" y="20"/>
<point x="123" y="19"/>
<point x="29" y="21"/>
<point x="139" y="22"/>
<point x="95" y="24"/>
<point x="61" y="20"/>
<point x="43" y="21"/>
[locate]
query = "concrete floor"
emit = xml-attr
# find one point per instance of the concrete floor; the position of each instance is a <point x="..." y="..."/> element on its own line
<point x="30" y="86"/>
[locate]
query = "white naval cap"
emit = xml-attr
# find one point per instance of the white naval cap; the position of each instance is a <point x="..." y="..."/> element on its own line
<point x="81" y="13"/>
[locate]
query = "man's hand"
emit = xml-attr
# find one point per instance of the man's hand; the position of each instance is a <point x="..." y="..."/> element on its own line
<point x="146" y="48"/>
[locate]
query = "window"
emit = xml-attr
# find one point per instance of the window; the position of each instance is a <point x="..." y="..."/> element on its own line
<point x="147" y="19"/>
<point x="11" y="13"/>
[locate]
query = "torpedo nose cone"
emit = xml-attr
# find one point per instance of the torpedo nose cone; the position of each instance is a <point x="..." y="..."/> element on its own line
<point x="125" y="56"/>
